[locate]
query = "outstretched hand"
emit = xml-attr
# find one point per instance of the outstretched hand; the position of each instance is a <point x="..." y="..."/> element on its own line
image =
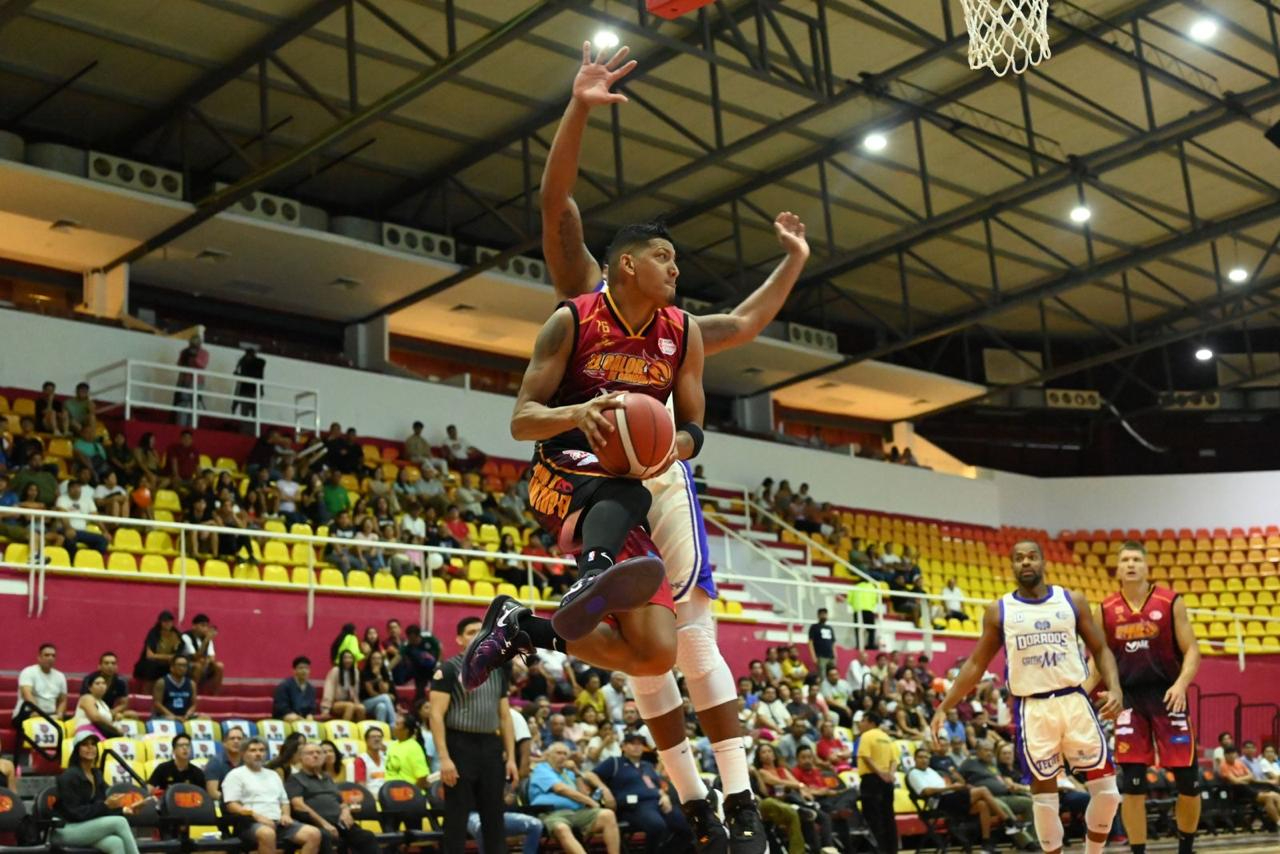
<point x="596" y="76"/>
<point x="790" y="231"/>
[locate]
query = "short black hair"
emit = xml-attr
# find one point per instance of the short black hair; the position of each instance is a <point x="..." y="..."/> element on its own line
<point x="804" y="746"/>
<point x="186" y="433"/>
<point x="301" y="659"/>
<point x="199" y="619"/>
<point x="418" y="425"/>
<point x="47" y="645"/>
<point x="466" y="621"/>
<point x="873" y="717"/>
<point x="173" y="742"/>
<point x="822" y="610"/>
<point x="1230" y="748"/>
<point x="181" y="655"/>
<point x="631" y="236"/>
<point x="110" y="653"/>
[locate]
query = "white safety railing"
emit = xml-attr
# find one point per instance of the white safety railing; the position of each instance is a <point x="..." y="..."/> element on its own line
<point x="41" y="522"/>
<point x="192" y="394"/>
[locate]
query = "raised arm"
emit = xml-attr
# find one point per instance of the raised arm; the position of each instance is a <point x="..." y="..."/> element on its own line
<point x="573" y="270"/>
<point x="533" y="419"/>
<point x="1096" y="643"/>
<point x="1175" y="699"/>
<point x="690" y="396"/>
<point x="753" y="314"/>
<point x="973" y="668"/>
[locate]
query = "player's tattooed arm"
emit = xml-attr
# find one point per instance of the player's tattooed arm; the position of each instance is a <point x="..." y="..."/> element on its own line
<point x="1175" y="699"/>
<point x="1103" y="660"/>
<point x="975" y="665"/>
<point x="749" y="318"/>
<point x="533" y="419"/>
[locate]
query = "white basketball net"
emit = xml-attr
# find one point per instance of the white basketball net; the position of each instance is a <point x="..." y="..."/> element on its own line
<point x="1007" y="35"/>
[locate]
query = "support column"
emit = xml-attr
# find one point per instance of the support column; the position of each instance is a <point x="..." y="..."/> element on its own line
<point x="106" y="294"/>
<point x="368" y="345"/>
<point x="754" y="413"/>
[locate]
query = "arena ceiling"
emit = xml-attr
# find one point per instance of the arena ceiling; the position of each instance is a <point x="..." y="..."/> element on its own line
<point x="438" y="113"/>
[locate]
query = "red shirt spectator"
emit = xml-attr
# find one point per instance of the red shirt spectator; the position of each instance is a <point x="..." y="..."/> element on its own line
<point x="194" y="356"/>
<point x="457" y="528"/>
<point x="184" y="459"/>
<point x="811" y="777"/>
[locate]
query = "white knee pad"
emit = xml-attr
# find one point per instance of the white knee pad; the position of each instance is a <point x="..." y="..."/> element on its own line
<point x="1104" y="800"/>
<point x="707" y="677"/>
<point x="1047" y="816"/>
<point x="655" y="695"/>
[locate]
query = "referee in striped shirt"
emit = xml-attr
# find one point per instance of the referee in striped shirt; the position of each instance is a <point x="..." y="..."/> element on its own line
<point x="475" y="746"/>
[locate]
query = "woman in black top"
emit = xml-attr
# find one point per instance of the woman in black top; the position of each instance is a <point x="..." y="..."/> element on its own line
<point x="162" y="642"/>
<point x="91" y="818"/>
<point x="377" y="691"/>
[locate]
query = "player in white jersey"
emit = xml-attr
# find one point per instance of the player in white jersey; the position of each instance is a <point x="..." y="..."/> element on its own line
<point x="675" y="518"/>
<point x="1041" y="627"/>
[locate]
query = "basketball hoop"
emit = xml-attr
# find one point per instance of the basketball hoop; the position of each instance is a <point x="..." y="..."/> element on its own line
<point x="1007" y="35"/>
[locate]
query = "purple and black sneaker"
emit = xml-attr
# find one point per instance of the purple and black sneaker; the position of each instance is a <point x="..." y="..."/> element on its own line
<point x="500" y="640"/>
<point x="625" y="586"/>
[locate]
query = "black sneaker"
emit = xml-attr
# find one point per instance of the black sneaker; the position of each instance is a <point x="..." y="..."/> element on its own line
<point x="624" y="586"/>
<point x="746" y="828"/>
<point x="709" y="833"/>
<point x="500" y="640"/>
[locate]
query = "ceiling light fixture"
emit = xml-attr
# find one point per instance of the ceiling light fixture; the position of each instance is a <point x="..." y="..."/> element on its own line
<point x="605" y="40"/>
<point x="875" y="142"/>
<point x="65" y="226"/>
<point x="1203" y="29"/>
<point x="1081" y="214"/>
<point x="1238" y="274"/>
<point x="1204" y="354"/>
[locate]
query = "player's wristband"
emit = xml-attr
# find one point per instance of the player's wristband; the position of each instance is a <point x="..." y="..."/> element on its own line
<point x="695" y="433"/>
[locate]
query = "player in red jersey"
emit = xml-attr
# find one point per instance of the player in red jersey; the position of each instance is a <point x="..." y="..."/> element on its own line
<point x="628" y="338"/>
<point x="1150" y="635"/>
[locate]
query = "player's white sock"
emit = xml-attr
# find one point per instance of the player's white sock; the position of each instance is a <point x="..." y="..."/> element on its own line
<point x="683" y="770"/>
<point x="1104" y="800"/>
<point x="1047" y="816"/>
<point x="731" y="760"/>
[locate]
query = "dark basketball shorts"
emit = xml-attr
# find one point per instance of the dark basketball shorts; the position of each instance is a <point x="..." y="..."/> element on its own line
<point x="1148" y="734"/>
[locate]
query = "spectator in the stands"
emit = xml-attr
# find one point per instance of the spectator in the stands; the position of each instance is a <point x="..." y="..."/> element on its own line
<point x="954" y="799"/>
<point x="471" y="498"/>
<point x="79" y="500"/>
<point x="417" y="449"/>
<point x="912" y="717"/>
<point x="295" y="697"/>
<point x="149" y="461"/>
<point x="342" y="690"/>
<point x="1268" y="766"/>
<point x="554" y="784"/>
<point x="377" y="688"/>
<point x="335" y="494"/>
<point x="631" y="723"/>
<point x="639" y="799"/>
<point x="418" y="660"/>
<point x="51" y="414"/>
<point x="112" y="498"/>
<point x="592" y="695"/>
<point x="777" y="781"/>
<point x="771" y="711"/>
<point x="371" y="765"/>
<point x="35" y="472"/>
<point x="222" y="763"/>
<point x="511" y="506"/>
<point x="25" y="444"/>
<point x="981" y="770"/>
<point x="615" y="696"/>
<point x="344" y="557"/>
<point x="196" y="358"/>
<point x="314" y="797"/>
<point x="116" y="695"/>
<point x="41" y="686"/>
<point x="822" y="643"/>
<point x="461" y="454"/>
<point x="89" y="816"/>
<point x="252" y="367"/>
<point x="406" y="758"/>
<point x="162" y="642"/>
<point x="120" y="456"/>
<point x="184" y="461"/>
<point x="197" y="643"/>
<point x="457" y="528"/>
<point x="89" y="451"/>
<point x="174" y="696"/>
<point x="179" y="769"/>
<point x="256" y="800"/>
<point x="953" y="601"/>
<point x="93" y="713"/>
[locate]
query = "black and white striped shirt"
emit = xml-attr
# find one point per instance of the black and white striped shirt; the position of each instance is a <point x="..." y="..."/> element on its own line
<point x="476" y="711"/>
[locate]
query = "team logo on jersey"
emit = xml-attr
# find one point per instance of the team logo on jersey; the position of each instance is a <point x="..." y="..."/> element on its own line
<point x="629" y="369"/>
<point x="1042" y="638"/>
<point x="549" y="494"/>
<point x="1122" y="747"/>
<point x="1141" y="630"/>
<point x="1043" y="625"/>
<point x="1135" y="646"/>
<point x="1155" y="615"/>
<point x="667" y="346"/>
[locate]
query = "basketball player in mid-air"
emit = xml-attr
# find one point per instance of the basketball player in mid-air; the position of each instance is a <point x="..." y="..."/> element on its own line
<point x="1150" y="634"/>
<point x="1041" y="627"/>
<point x="675" y="517"/>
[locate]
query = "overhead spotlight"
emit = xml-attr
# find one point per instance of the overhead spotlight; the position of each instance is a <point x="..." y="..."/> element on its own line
<point x="875" y="142"/>
<point x="1203" y="29"/>
<point x="1204" y="354"/>
<point x="1080" y="214"/>
<point x="605" y="40"/>
<point x="1238" y="274"/>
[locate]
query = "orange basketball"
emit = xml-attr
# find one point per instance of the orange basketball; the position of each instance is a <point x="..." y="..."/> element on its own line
<point x="643" y="437"/>
<point x="142" y="497"/>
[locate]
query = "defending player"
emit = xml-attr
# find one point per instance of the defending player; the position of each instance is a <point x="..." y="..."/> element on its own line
<point x="1040" y="627"/>
<point x="1156" y="654"/>
<point x="675" y="518"/>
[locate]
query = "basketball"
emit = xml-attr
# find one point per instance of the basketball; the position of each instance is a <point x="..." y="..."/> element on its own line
<point x="643" y="435"/>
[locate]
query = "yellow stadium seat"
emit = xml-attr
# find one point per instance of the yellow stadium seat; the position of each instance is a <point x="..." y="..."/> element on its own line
<point x="458" y="587"/>
<point x="88" y="559"/>
<point x="488" y="534"/>
<point x="372" y="454"/>
<point x="717" y="606"/>
<point x="167" y="499"/>
<point x="439" y="587"/>
<point x="358" y="579"/>
<point x="59" y="447"/>
<point x="301" y="554"/>
<point x="332" y="578"/>
<point x="227" y="464"/>
<point x="410" y="584"/>
<point x="190" y="565"/>
<point x="275" y="574"/>
<point x="478" y="570"/>
<point x="483" y="589"/>
<point x="507" y="589"/>
<point x="154" y="565"/>
<point x="158" y="543"/>
<point x="246" y="572"/>
<point x="1271" y="644"/>
<point x="301" y="575"/>
<point x="217" y="569"/>
<point x="274" y="526"/>
<point x="301" y="528"/>
<point x="274" y="551"/>
<point x="127" y="540"/>
<point x="122" y="562"/>
<point x="733" y="607"/>
<point x="384" y="581"/>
